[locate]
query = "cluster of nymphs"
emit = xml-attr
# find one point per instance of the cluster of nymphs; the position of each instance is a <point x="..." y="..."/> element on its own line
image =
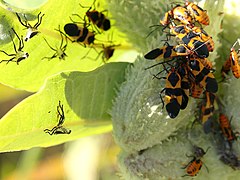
<point x="190" y="73"/>
<point x="189" y="70"/>
<point x="82" y="32"/>
<point x="218" y="123"/>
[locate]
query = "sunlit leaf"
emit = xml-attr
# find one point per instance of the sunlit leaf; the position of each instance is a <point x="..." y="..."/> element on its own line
<point x="24" y="4"/>
<point x="31" y="72"/>
<point x="86" y="97"/>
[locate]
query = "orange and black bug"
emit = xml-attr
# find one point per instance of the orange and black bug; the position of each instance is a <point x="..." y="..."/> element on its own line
<point x="205" y="37"/>
<point x="196" y="90"/>
<point x="226" y="127"/>
<point x="195" y="165"/>
<point x="207" y="108"/>
<point x="226" y="67"/>
<point x="59" y="129"/>
<point x="177" y="13"/>
<point x="198" y="13"/>
<point x="59" y="51"/>
<point x="19" y="54"/>
<point x="167" y="52"/>
<point x="207" y="64"/>
<point x="79" y="34"/>
<point x="234" y="63"/>
<point x="165" y="20"/>
<point x="202" y="75"/>
<point x="96" y="17"/>
<point x="31" y="30"/>
<point x="231" y="63"/>
<point x="173" y="93"/>
<point x="185" y="85"/>
<point x="182" y="29"/>
<point x="192" y="41"/>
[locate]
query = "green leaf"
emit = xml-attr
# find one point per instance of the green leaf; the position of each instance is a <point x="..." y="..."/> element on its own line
<point x="86" y="98"/>
<point x="215" y="9"/>
<point x="24" y="4"/>
<point x="31" y="72"/>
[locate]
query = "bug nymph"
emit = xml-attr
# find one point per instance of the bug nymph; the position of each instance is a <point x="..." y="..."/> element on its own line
<point x="19" y="53"/>
<point x="107" y="52"/>
<point x="31" y="30"/>
<point x="97" y="18"/>
<point x="59" y="129"/>
<point x="195" y="165"/>
<point x="59" y="51"/>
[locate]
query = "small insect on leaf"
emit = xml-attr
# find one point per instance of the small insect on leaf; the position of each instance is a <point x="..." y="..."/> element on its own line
<point x="31" y="30"/>
<point x="97" y="18"/>
<point x="59" y="51"/>
<point x="59" y="129"/>
<point x="19" y="54"/>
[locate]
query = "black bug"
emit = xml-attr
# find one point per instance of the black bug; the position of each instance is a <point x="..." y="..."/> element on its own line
<point x="59" y="129"/>
<point x="59" y="51"/>
<point x="31" y="30"/>
<point x="19" y="54"/>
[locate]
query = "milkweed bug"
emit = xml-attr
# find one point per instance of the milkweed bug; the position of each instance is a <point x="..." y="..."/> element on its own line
<point x="59" y="129"/>
<point x="31" y="30"/>
<point x="197" y="31"/>
<point x="202" y="75"/>
<point x="226" y="67"/>
<point x="19" y="53"/>
<point x="234" y="63"/>
<point x="195" y="165"/>
<point x="59" y="51"/>
<point x="167" y="52"/>
<point x="185" y="85"/>
<point x="205" y="37"/>
<point x="165" y="19"/>
<point x="231" y="63"/>
<point x="97" y="18"/>
<point x="198" y="13"/>
<point x="206" y="63"/>
<point x="195" y="90"/>
<point x="226" y="127"/>
<point x="193" y="42"/>
<point x="173" y="93"/>
<point x="177" y="13"/>
<point x="107" y="52"/>
<point x="79" y="34"/>
<point x="207" y="108"/>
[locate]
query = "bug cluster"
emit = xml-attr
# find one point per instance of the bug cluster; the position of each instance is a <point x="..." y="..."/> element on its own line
<point x="190" y="74"/>
<point x="216" y="121"/>
<point x="189" y="70"/>
<point x="83" y="31"/>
